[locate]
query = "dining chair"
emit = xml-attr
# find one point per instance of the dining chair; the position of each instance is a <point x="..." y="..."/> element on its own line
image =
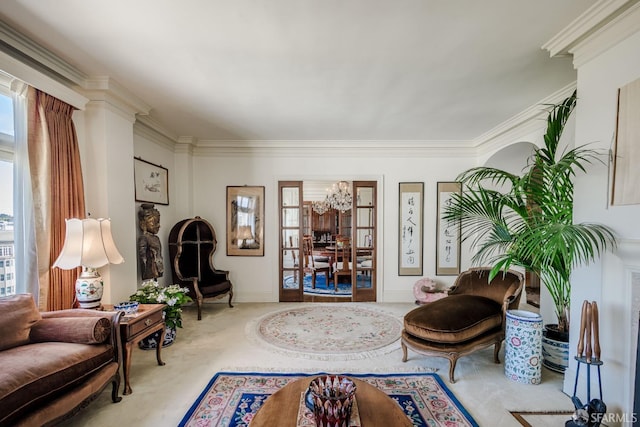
<point x="311" y="265"/>
<point x="342" y="257"/>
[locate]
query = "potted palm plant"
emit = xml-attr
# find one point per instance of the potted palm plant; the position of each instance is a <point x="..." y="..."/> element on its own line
<point x="527" y="220"/>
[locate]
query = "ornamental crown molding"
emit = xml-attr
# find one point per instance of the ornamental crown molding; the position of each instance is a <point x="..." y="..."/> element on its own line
<point x="19" y="46"/>
<point x="104" y="88"/>
<point x="151" y="122"/>
<point x="18" y="70"/>
<point x="593" y="19"/>
<point x="327" y="148"/>
<point x="621" y="27"/>
<point x="23" y="53"/>
<point x="522" y="124"/>
<point x="151" y="133"/>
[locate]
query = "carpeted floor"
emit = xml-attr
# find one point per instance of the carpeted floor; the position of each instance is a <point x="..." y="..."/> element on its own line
<point x="328" y="331"/>
<point x="232" y="398"/>
<point x="163" y="394"/>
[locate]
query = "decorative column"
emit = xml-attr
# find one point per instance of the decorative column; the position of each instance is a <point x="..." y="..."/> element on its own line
<point x="523" y="349"/>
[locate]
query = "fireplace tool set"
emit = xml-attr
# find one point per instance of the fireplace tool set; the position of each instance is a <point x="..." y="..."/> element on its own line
<point x="592" y="412"/>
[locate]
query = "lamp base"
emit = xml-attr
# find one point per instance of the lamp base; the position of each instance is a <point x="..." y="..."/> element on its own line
<point x="89" y="288"/>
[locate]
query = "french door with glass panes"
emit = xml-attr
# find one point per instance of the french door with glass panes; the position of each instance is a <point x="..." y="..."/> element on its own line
<point x="290" y="218"/>
<point x="361" y="231"/>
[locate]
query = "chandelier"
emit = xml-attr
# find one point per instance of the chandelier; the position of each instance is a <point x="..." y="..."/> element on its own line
<point x="339" y="196"/>
<point x="321" y="207"/>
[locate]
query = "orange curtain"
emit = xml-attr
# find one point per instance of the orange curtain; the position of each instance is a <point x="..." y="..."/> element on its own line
<point x="58" y="192"/>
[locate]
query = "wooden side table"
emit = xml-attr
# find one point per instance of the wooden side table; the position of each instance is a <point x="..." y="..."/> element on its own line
<point x="135" y="327"/>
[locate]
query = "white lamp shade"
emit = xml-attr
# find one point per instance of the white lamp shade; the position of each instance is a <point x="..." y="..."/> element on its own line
<point x="88" y="243"/>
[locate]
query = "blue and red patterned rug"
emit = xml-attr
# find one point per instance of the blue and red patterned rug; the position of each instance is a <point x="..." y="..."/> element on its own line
<point x="232" y="398"/>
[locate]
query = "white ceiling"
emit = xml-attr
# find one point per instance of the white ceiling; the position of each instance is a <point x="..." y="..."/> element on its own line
<point x="431" y="70"/>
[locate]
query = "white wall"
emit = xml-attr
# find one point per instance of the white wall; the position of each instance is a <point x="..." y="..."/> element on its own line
<point x="156" y="149"/>
<point x="105" y="138"/>
<point x="256" y="278"/>
<point x="598" y="82"/>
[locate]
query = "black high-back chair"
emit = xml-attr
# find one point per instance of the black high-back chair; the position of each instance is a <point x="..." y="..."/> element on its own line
<point x="192" y="243"/>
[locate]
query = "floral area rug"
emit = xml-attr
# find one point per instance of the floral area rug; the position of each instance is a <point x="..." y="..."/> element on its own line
<point x="328" y="331"/>
<point x="232" y="398"/>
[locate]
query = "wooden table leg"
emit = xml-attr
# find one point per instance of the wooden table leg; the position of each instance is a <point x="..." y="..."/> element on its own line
<point x="126" y="366"/>
<point x="159" y="347"/>
<point x="128" y="347"/>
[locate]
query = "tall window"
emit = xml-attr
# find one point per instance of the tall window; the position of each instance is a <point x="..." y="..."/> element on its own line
<point x="7" y="264"/>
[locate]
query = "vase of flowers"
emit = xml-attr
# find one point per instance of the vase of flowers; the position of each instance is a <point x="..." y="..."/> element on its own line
<point x="173" y="297"/>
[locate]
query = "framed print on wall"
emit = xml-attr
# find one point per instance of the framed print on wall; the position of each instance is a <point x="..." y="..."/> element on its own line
<point x="151" y="182"/>
<point x="447" y="233"/>
<point x="245" y="221"/>
<point x="410" y="229"/>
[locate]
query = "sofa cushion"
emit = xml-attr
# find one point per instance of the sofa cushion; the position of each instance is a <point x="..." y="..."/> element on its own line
<point x="41" y="372"/>
<point x="475" y="315"/>
<point x="17" y="314"/>
<point x="81" y="330"/>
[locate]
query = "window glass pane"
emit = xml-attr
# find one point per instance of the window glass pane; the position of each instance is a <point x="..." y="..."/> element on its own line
<point x="6" y="195"/>
<point x="6" y="115"/>
<point x="7" y="264"/>
<point x="290" y="217"/>
<point x="290" y="279"/>
<point x="365" y="196"/>
<point x="290" y="196"/>
<point x="365" y="217"/>
<point x="290" y="238"/>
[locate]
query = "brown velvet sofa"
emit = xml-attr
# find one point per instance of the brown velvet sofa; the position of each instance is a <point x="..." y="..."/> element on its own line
<point x="54" y="363"/>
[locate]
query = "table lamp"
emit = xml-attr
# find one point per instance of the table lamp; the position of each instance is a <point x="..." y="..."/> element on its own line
<point x="88" y="244"/>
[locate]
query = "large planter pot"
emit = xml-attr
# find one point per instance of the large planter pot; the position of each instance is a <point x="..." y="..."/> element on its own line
<point x="151" y="342"/>
<point x="555" y="349"/>
<point x="523" y="354"/>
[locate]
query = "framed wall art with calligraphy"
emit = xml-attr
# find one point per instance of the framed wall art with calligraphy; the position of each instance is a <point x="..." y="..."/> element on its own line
<point x="447" y="233"/>
<point x="410" y="229"/>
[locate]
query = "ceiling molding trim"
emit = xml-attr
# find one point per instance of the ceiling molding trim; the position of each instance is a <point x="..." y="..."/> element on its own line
<point x="592" y="19"/>
<point x="108" y="104"/>
<point x="151" y="122"/>
<point x="327" y="149"/>
<point x="40" y="55"/>
<point x="184" y="147"/>
<point x="106" y="88"/>
<point x="41" y="81"/>
<point x="616" y="30"/>
<point x="191" y="140"/>
<point x="150" y="133"/>
<point x="524" y="132"/>
<point x="522" y="123"/>
<point x="333" y="143"/>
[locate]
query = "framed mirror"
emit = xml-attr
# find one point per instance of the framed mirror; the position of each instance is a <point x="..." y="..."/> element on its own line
<point x="245" y="221"/>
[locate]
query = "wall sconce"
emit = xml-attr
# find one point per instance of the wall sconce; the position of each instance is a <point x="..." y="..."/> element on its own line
<point x="88" y="244"/>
